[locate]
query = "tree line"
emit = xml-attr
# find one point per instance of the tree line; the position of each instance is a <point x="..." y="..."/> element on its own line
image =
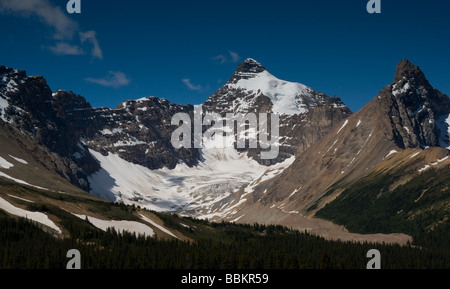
<point x="23" y="245"/>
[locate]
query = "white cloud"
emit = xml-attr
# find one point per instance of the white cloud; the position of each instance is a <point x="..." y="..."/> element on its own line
<point x="234" y="56"/>
<point x="191" y="86"/>
<point x="63" y="27"/>
<point x="63" y="48"/>
<point x="221" y="58"/>
<point x="91" y="36"/>
<point x="47" y="13"/>
<point x="114" y="79"/>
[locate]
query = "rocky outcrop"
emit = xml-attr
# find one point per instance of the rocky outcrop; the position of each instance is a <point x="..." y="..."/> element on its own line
<point x="140" y="132"/>
<point x="415" y="108"/>
<point x="28" y="106"/>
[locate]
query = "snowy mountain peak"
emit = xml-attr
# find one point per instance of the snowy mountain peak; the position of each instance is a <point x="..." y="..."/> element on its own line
<point x="250" y="66"/>
<point x="147" y="98"/>
<point x="286" y="97"/>
<point x="248" y="69"/>
<point x="252" y="80"/>
<point x="252" y="89"/>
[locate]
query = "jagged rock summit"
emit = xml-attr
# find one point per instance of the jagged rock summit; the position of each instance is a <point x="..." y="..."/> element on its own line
<point x="419" y="113"/>
<point x="249" y="66"/>
<point x="406" y="69"/>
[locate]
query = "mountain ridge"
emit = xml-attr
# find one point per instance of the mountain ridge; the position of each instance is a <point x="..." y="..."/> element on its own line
<point x="386" y="126"/>
<point x="138" y="133"/>
<point x="324" y="147"/>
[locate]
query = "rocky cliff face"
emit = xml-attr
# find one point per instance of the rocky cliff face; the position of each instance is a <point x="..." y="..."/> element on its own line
<point x="27" y="104"/>
<point x="65" y="124"/>
<point x="417" y="111"/>
<point x="140" y="132"/>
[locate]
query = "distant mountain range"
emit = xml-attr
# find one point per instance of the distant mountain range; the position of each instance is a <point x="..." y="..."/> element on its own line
<point x="57" y="141"/>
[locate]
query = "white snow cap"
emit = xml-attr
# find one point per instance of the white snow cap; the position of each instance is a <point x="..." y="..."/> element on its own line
<point x="251" y="60"/>
<point x="288" y="98"/>
<point x="250" y="65"/>
<point x="285" y="96"/>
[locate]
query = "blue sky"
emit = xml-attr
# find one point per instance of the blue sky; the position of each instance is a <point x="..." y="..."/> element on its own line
<point x="185" y="50"/>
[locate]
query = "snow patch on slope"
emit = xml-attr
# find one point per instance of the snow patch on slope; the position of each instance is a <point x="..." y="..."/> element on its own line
<point x="107" y="131"/>
<point x="345" y="123"/>
<point x="5" y="164"/>
<point x="443" y="125"/>
<point x="391" y="153"/>
<point x="402" y="90"/>
<point x="19" y="160"/>
<point x="120" y="226"/>
<point x="19" y="198"/>
<point x="20" y="181"/>
<point x="4" y="104"/>
<point x="157" y="226"/>
<point x="427" y="166"/>
<point x="414" y="155"/>
<point x="35" y="216"/>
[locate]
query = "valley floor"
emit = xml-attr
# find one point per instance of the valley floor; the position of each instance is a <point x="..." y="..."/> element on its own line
<point x="320" y="227"/>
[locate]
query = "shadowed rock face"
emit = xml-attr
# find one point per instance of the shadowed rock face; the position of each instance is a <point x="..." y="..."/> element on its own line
<point x="29" y="107"/>
<point x="415" y="108"/>
<point x="65" y="124"/>
<point x="405" y="69"/>
<point x="245" y="68"/>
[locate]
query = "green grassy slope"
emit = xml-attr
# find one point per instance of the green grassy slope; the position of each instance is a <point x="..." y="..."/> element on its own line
<point x="205" y="245"/>
<point x="420" y="207"/>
